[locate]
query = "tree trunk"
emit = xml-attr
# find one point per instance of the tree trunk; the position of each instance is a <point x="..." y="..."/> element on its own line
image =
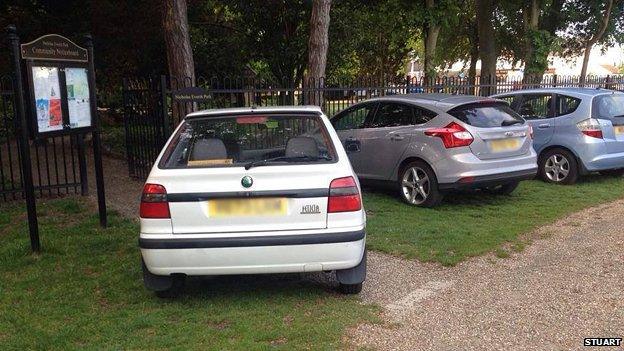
<point x="178" y="43"/>
<point x="317" y="51"/>
<point x="432" y="31"/>
<point x="533" y="67"/>
<point x="472" y="70"/>
<point x="487" y="45"/>
<point x="590" y="43"/>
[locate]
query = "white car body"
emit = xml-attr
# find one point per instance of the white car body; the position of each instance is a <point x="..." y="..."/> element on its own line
<point x="306" y="239"/>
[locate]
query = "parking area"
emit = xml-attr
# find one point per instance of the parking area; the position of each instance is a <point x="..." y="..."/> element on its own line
<point x="562" y="288"/>
<point x="546" y="287"/>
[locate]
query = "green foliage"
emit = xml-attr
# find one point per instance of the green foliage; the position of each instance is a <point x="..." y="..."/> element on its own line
<point x="542" y="45"/>
<point x="85" y="291"/>
<point x="370" y="38"/>
<point x="471" y="224"/>
<point x="583" y="18"/>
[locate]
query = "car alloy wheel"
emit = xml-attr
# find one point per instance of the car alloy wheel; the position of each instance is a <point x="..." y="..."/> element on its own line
<point x="415" y="185"/>
<point x="557" y="168"/>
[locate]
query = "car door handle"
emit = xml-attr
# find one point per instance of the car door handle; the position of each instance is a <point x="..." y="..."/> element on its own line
<point x="544" y="126"/>
<point x="397" y="137"/>
<point x="350" y="139"/>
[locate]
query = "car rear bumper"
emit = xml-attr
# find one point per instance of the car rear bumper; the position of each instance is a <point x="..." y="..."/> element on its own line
<point x="462" y="165"/>
<point x="603" y="162"/>
<point x="253" y="254"/>
<point x="490" y="180"/>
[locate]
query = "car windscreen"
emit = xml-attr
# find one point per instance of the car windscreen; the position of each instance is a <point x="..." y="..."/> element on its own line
<point x="486" y="114"/>
<point x="610" y="107"/>
<point x="246" y="139"/>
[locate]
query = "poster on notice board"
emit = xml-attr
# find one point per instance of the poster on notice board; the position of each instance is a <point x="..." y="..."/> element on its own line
<point x="47" y="93"/>
<point x="78" y="102"/>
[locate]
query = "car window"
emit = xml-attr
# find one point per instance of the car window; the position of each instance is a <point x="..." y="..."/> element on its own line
<point x="486" y="114"/>
<point x="422" y="115"/>
<point x="566" y="104"/>
<point x="609" y="107"/>
<point x="393" y="115"/>
<point x="237" y="140"/>
<point x="353" y="118"/>
<point x="535" y="106"/>
<point x="513" y="100"/>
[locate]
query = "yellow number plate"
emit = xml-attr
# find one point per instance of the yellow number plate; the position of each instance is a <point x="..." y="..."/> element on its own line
<point x="619" y="129"/>
<point x="247" y="207"/>
<point x="504" y="144"/>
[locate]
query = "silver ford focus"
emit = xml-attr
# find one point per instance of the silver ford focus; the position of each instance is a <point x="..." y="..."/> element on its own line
<point x="428" y="144"/>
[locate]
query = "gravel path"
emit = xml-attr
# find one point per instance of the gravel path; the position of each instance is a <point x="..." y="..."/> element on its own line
<point x="565" y="286"/>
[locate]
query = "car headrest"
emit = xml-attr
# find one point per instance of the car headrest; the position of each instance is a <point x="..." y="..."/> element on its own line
<point x="302" y="146"/>
<point x="208" y="149"/>
<point x="526" y="110"/>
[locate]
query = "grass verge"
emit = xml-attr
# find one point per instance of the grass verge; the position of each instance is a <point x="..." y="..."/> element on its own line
<point x="85" y="291"/>
<point x="471" y="224"/>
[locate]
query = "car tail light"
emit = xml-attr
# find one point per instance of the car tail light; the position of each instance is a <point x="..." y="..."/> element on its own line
<point x="453" y="135"/>
<point x="590" y="127"/>
<point x="531" y="132"/>
<point x="343" y="196"/>
<point x="154" y="202"/>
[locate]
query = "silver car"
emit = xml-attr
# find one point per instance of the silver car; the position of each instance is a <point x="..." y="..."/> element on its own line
<point x="577" y="130"/>
<point x="428" y="144"/>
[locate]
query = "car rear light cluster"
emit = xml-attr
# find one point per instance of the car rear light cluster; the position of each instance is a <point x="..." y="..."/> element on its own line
<point x="590" y="127"/>
<point x="453" y="135"/>
<point x="154" y="202"/>
<point x="343" y="196"/>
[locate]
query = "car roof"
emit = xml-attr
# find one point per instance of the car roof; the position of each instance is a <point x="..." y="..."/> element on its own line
<point x="441" y="101"/>
<point x="254" y="109"/>
<point x="573" y="91"/>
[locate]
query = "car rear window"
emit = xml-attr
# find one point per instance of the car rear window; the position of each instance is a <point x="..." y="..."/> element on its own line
<point x="240" y="140"/>
<point x="486" y="114"/>
<point x="610" y="107"/>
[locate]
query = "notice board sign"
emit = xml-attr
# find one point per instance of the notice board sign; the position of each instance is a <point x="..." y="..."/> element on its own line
<point x="54" y="47"/>
<point x="60" y="85"/>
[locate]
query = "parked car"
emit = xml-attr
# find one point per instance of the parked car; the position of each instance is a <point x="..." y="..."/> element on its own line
<point x="249" y="191"/>
<point x="577" y="130"/>
<point x="427" y="144"/>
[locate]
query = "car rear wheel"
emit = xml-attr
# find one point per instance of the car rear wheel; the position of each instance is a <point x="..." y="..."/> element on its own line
<point x="177" y="287"/>
<point x="350" y="289"/>
<point x="613" y="172"/>
<point x="419" y="186"/>
<point x="559" y="166"/>
<point x="503" y="189"/>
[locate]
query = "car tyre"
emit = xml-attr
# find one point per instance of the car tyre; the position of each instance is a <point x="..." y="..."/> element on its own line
<point x="350" y="289"/>
<point x="176" y="289"/>
<point x="613" y="172"/>
<point x="418" y="185"/>
<point x="503" y="189"/>
<point x="558" y="166"/>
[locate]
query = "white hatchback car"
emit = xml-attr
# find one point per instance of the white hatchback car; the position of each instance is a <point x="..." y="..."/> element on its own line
<point x="249" y="191"/>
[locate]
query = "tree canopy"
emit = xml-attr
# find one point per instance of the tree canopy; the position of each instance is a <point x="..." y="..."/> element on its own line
<point x="366" y="38"/>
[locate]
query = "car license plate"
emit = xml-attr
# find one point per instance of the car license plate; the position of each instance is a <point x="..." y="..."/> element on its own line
<point x="619" y="130"/>
<point x="500" y="145"/>
<point x="247" y="207"/>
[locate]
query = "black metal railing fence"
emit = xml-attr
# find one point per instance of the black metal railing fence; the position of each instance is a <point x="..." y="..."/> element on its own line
<point x="151" y="111"/>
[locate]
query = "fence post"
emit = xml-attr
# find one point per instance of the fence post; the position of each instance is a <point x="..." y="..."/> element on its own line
<point x="97" y="147"/>
<point x="24" y="147"/>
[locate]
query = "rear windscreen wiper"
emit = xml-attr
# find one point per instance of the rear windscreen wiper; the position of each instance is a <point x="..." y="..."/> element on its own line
<point x="511" y="123"/>
<point x="285" y="159"/>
